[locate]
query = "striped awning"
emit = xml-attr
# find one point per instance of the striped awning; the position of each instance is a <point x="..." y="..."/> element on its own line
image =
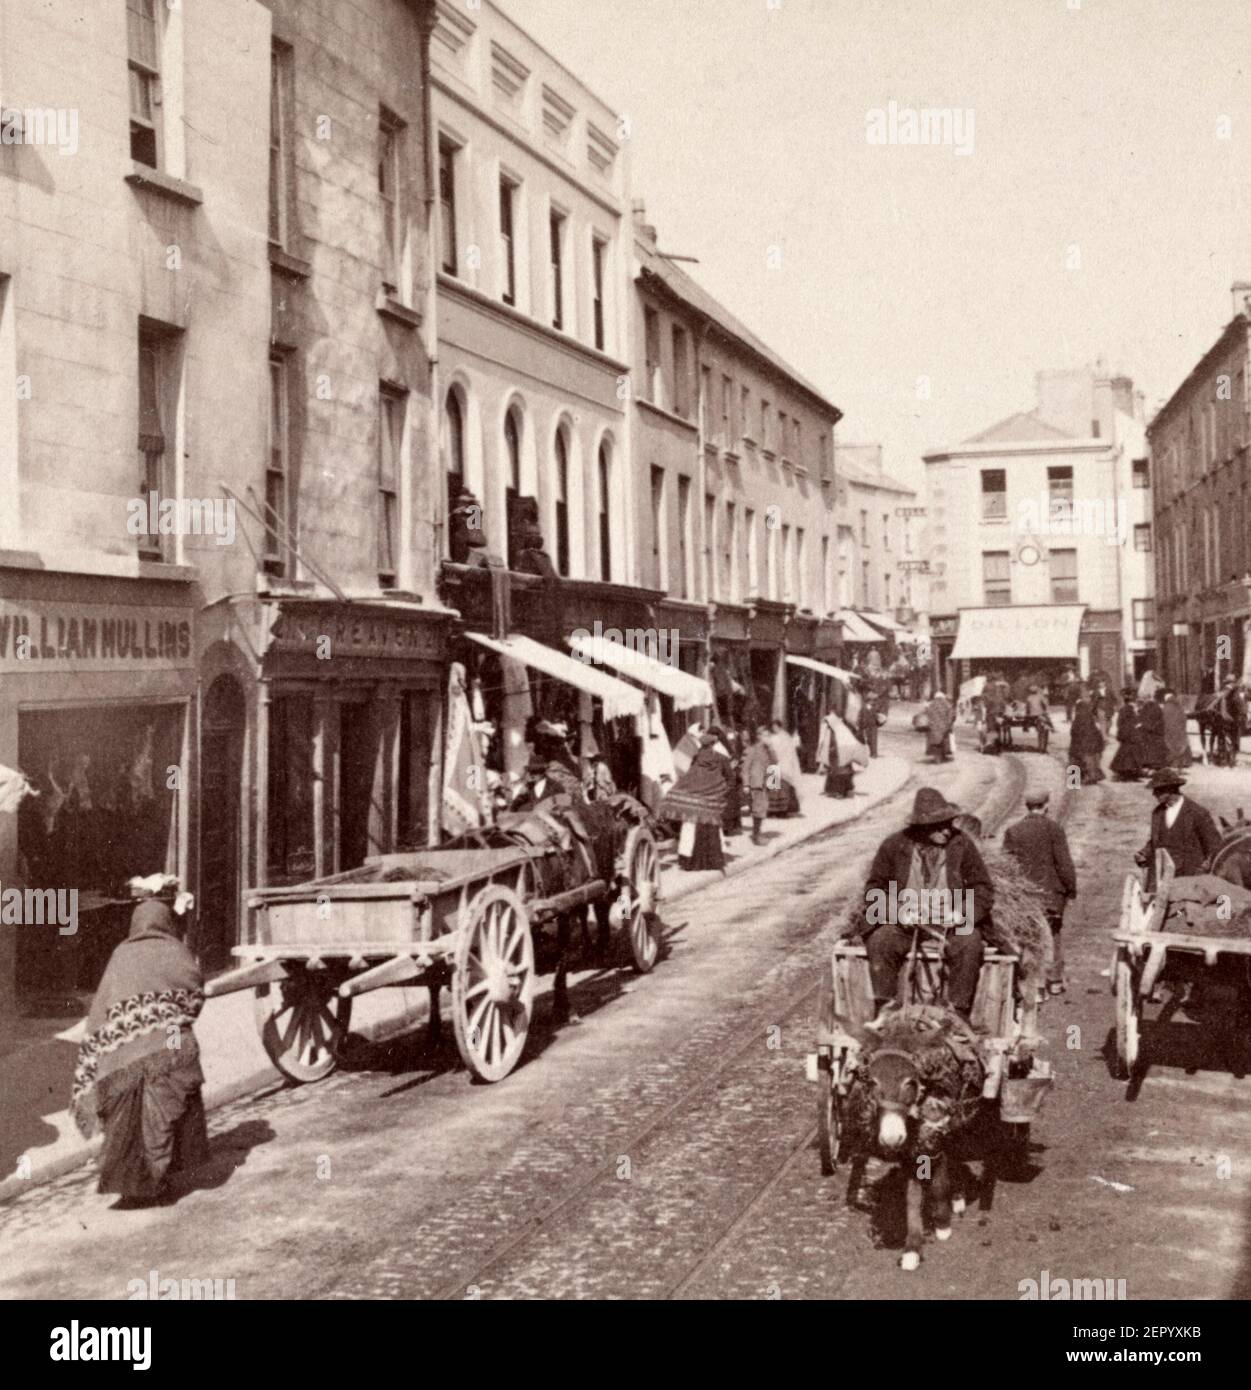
<point x="855" y="629"/>
<point x="620" y="699"/>
<point x="686" y="691"/>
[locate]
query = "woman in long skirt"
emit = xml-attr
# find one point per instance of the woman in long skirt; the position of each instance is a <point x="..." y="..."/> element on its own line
<point x="698" y="801"/>
<point x="1176" y="735"/>
<point x="1127" y="763"/>
<point x="837" y="755"/>
<point x="138" y="1072"/>
<point x="1086" y="744"/>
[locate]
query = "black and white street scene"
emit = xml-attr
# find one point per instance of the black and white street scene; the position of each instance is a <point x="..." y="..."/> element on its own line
<point x="625" y="645"/>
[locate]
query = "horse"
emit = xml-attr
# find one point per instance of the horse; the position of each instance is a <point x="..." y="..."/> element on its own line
<point x="1221" y="719"/>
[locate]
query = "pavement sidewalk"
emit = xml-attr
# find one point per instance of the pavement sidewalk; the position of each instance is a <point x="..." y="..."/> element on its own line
<point x="39" y="1141"/>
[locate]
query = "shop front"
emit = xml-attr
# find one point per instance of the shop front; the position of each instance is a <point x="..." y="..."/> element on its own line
<point x="323" y="719"/>
<point x="1030" y="642"/>
<point x="97" y="689"/>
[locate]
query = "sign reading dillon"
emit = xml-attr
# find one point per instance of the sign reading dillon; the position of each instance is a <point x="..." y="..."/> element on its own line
<point x="91" y="636"/>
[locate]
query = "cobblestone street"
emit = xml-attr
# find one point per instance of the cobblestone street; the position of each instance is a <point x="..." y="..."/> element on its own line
<point x="664" y="1147"/>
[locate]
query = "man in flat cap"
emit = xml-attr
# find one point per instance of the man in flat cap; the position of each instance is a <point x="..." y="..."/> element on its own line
<point x="1041" y="847"/>
<point x="1179" y="825"/>
<point x="927" y="862"/>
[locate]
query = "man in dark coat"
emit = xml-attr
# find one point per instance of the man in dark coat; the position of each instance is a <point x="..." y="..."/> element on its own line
<point x="867" y="725"/>
<point x="1041" y="847"/>
<point x="929" y="855"/>
<point x="1179" y="825"/>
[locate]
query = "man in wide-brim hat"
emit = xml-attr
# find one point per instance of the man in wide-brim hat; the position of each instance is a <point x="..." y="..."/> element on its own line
<point x="915" y="873"/>
<point x="1179" y="825"/>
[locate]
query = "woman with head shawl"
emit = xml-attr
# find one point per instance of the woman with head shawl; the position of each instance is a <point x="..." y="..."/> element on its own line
<point x="1151" y="748"/>
<point x="784" y="795"/>
<point x="1086" y="744"/>
<point x="1176" y="736"/>
<point x="138" y="1071"/>
<point x="837" y="756"/>
<point x="698" y="801"/>
<point x="1127" y="763"/>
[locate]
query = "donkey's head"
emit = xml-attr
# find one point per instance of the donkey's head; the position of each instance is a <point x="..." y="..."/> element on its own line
<point x="897" y="1090"/>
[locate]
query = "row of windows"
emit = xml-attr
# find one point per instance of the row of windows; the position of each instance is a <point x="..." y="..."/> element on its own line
<point x="997" y="577"/>
<point x="1059" y="490"/>
<point x="451" y="161"/>
<point x="455" y="440"/>
<point x="1222" y="550"/>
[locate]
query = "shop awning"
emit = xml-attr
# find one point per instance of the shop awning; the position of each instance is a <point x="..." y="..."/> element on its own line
<point x="687" y="691"/>
<point x="1040" y="630"/>
<point x="810" y="664"/>
<point x="620" y="700"/>
<point x="855" y="629"/>
<point x="889" y="626"/>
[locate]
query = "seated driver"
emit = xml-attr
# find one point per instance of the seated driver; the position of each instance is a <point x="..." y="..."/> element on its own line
<point x="940" y="865"/>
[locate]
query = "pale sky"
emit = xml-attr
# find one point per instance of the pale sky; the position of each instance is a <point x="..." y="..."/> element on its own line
<point x="1096" y="138"/>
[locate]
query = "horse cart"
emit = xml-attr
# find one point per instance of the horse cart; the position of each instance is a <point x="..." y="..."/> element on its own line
<point x="463" y="914"/>
<point x="1204" y="974"/>
<point x="1016" y="1080"/>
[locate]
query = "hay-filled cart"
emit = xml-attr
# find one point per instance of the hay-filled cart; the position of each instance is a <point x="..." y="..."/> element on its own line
<point x="463" y="914"/>
<point x="1016" y="1078"/>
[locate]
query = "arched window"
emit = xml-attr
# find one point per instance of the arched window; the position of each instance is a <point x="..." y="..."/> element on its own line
<point x="605" y="496"/>
<point x="455" y="444"/>
<point x="512" y="448"/>
<point x="562" y="504"/>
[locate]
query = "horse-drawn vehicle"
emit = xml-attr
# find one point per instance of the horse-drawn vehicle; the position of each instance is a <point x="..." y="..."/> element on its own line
<point x="1193" y="955"/>
<point x="464" y="913"/>
<point x="1004" y="1080"/>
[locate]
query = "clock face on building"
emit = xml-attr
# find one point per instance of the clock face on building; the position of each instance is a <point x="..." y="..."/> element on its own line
<point x="1028" y="554"/>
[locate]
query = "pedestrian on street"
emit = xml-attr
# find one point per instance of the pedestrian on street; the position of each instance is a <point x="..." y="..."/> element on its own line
<point x="1176" y="734"/>
<point x="1072" y="693"/>
<point x="941" y="717"/>
<point x="758" y="770"/>
<point x="784" y="792"/>
<point x="1038" y="843"/>
<point x="928" y="855"/>
<point x="1152" y="750"/>
<point x="138" y="1070"/>
<point x="1126" y="764"/>
<point x="698" y="802"/>
<point x="837" y="755"/>
<point x="1179" y="825"/>
<point x="868" y="724"/>
<point x="1037" y="709"/>
<point x="1086" y="744"/>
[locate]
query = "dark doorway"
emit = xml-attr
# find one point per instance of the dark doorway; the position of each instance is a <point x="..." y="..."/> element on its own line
<point x="358" y="748"/>
<point x="221" y="770"/>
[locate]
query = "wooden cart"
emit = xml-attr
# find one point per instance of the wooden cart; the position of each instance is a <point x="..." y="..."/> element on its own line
<point x="464" y="916"/>
<point x="1016" y="1079"/>
<point x="1207" y="976"/>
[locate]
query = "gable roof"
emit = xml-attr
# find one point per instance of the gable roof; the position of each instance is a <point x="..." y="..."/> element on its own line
<point x="690" y="292"/>
<point x="1025" y="427"/>
<point x="849" y="468"/>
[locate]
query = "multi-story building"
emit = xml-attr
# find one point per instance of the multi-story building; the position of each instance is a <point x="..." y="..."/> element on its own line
<point x="220" y="654"/>
<point x="1046" y="514"/>
<point x="879" y="552"/>
<point x="1202" y="492"/>
<point x="734" y="470"/>
<point x="532" y="261"/>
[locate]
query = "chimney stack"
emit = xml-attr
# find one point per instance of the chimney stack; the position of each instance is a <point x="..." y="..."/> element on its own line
<point x="1240" y="293"/>
<point x="644" y="229"/>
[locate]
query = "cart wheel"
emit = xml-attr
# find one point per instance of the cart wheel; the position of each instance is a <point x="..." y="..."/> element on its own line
<point x="1128" y="1015"/>
<point x="829" y="1125"/>
<point x="493" y="983"/>
<point x="302" y="1022"/>
<point x="642" y="870"/>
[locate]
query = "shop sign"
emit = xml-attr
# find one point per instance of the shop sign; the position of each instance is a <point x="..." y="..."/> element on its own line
<point x="41" y="635"/>
<point x="327" y="633"/>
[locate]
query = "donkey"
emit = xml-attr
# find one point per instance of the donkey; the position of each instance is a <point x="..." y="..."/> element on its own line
<point x="891" y="1092"/>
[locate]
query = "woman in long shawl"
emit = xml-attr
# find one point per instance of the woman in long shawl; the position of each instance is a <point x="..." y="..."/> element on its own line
<point x="784" y="796"/>
<point x="837" y="756"/>
<point x="1127" y="764"/>
<point x="1086" y="744"/>
<point x="698" y="801"/>
<point x="138" y="1072"/>
<point x="1152" y="749"/>
<point x="1176" y="735"/>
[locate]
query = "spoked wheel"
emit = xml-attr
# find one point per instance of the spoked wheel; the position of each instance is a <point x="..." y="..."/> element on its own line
<point x="1127" y="1019"/>
<point x="829" y="1125"/>
<point x="493" y="983"/>
<point x="303" y="1023"/>
<point x="642" y="871"/>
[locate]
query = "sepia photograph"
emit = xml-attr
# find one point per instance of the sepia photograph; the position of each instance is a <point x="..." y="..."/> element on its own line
<point x="583" y="587"/>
